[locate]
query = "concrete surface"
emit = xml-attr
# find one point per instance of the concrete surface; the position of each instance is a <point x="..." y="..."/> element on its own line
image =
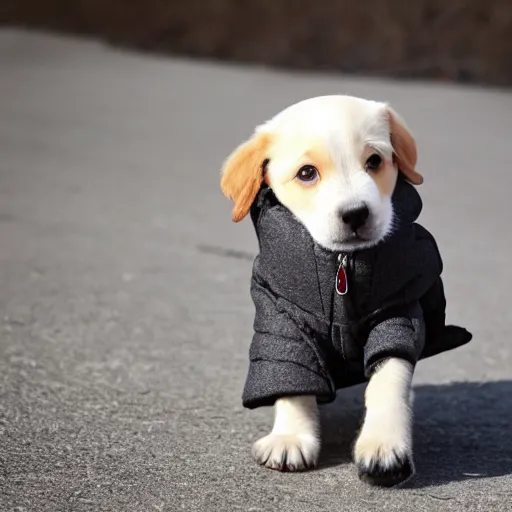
<point x="125" y="316"/>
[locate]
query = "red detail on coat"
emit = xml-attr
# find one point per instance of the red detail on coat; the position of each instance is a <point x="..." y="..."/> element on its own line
<point x="341" y="281"/>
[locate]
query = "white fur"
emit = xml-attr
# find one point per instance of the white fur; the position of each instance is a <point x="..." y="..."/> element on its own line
<point x="294" y="443"/>
<point x="386" y="435"/>
<point x="345" y="127"/>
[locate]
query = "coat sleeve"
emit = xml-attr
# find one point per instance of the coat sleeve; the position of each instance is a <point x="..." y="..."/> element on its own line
<point x="398" y="332"/>
<point x="284" y="360"/>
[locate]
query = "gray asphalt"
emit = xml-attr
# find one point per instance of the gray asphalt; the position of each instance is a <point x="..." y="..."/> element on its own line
<point x="125" y="315"/>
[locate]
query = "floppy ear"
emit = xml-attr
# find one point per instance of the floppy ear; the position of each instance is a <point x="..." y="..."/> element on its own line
<point x="404" y="148"/>
<point x="242" y="174"/>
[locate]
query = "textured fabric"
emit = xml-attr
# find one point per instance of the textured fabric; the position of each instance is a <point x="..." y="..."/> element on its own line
<point x="308" y="339"/>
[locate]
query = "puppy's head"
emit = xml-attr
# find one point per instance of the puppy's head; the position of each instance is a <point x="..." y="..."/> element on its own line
<point x="333" y="161"/>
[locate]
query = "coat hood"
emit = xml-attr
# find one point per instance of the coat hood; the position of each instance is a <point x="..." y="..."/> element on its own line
<point x="407" y="204"/>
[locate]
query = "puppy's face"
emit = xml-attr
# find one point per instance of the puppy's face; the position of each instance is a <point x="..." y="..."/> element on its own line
<point x="333" y="162"/>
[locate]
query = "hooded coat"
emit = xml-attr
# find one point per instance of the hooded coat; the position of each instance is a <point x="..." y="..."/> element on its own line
<point x="324" y="320"/>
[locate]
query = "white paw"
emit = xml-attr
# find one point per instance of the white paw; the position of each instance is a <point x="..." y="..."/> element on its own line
<point x="383" y="453"/>
<point x="287" y="452"/>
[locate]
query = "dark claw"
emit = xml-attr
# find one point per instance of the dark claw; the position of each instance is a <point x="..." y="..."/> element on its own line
<point x="376" y="474"/>
<point x="284" y="456"/>
<point x="304" y="461"/>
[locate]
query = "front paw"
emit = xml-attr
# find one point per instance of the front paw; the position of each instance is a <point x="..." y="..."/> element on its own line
<point x="383" y="462"/>
<point x="287" y="452"/>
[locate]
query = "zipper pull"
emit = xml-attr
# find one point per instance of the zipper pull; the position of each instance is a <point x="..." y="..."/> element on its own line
<point x="341" y="283"/>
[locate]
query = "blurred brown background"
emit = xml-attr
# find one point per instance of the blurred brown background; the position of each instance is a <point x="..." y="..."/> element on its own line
<point x="461" y="40"/>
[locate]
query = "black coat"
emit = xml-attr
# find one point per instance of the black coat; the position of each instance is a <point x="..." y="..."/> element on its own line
<point x="312" y="339"/>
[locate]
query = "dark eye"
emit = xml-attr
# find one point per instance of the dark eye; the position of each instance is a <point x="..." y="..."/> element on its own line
<point x="307" y="173"/>
<point x="374" y="162"/>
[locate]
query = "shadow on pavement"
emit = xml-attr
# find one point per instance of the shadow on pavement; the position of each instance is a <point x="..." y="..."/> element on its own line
<point x="462" y="431"/>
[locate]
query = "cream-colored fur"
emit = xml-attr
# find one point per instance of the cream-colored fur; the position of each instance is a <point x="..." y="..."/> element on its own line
<point x="336" y="135"/>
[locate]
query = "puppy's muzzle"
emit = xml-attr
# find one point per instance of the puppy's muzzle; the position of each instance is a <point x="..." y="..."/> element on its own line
<point x="355" y="218"/>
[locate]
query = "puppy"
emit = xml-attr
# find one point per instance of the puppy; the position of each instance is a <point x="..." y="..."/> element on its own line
<point x="346" y="285"/>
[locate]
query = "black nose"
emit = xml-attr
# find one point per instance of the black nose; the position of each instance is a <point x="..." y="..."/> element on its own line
<point x="356" y="218"/>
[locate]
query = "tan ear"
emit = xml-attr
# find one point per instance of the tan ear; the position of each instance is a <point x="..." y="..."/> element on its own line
<point x="404" y="147"/>
<point x="242" y="174"/>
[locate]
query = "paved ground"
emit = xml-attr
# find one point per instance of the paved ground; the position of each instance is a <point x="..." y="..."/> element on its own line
<point x="125" y="321"/>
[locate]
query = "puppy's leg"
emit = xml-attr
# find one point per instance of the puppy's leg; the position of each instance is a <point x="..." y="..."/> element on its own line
<point x="294" y="443"/>
<point x="383" y="450"/>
